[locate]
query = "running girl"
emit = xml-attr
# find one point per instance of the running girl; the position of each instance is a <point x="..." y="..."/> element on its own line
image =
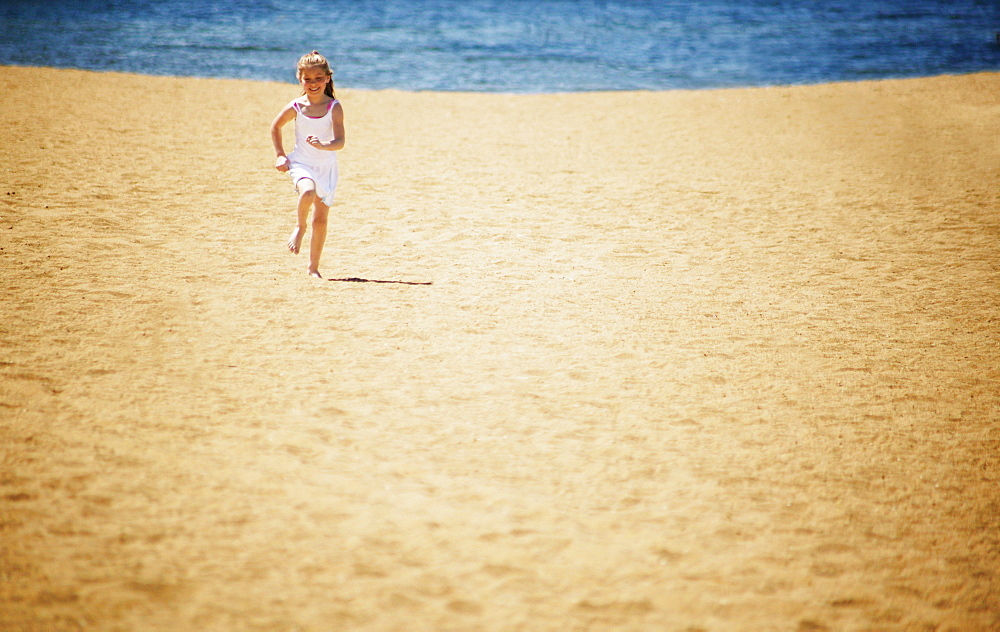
<point x="312" y="165"/>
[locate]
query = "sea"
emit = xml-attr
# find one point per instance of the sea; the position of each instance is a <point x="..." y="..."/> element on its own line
<point x="512" y="46"/>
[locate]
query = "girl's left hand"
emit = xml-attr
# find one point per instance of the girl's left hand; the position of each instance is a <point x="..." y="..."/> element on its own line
<point x="315" y="142"/>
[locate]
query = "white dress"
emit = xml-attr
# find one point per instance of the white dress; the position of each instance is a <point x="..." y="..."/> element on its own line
<point x="307" y="161"/>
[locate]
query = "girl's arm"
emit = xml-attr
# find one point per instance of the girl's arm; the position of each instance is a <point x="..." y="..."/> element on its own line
<point x="339" y="138"/>
<point x="283" y="118"/>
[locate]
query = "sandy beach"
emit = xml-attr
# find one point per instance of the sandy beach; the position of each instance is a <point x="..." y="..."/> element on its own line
<point x="646" y="361"/>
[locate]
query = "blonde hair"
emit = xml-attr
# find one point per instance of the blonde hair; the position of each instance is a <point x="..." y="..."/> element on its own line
<point x="315" y="60"/>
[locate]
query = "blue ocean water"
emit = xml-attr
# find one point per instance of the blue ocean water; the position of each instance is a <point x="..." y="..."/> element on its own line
<point x="516" y="46"/>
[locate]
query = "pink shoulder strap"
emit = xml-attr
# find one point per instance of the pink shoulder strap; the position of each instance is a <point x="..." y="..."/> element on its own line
<point x="298" y="106"/>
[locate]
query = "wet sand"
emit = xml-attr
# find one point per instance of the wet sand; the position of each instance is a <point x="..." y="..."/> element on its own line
<point x="718" y="360"/>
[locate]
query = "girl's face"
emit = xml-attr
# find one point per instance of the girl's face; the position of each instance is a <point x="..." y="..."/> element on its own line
<point x="313" y="80"/>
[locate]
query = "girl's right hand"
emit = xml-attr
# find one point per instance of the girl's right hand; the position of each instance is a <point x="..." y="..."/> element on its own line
<point x="281" y="164"/>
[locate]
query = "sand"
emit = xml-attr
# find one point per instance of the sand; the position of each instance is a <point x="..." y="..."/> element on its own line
<point x="709" y="360"/>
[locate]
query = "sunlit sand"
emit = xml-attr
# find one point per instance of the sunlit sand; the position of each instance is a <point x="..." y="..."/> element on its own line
<point x="721" y="360"/>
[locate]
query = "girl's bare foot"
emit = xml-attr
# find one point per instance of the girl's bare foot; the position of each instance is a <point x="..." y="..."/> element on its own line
<point x="295" y="241"/>
<point x="315" y="273"/>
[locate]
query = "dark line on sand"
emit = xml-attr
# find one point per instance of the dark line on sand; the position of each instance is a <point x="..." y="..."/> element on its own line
<point x="360" y="280"/>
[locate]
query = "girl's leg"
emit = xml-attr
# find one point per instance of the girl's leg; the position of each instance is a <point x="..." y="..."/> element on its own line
<point x="320" y="214"/>
<point x="307" y="195"/>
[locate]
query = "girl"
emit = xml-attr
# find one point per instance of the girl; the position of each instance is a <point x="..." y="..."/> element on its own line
<point x="319" y="134"/>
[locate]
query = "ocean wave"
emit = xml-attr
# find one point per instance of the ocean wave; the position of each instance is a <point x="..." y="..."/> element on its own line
<point x="517" y="45"/>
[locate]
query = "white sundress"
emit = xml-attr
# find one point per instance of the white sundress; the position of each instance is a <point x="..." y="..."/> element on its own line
<point x="318" y="165"/>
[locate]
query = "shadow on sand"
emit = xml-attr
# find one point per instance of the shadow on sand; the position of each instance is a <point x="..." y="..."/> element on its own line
<point x="360" y="280"/>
